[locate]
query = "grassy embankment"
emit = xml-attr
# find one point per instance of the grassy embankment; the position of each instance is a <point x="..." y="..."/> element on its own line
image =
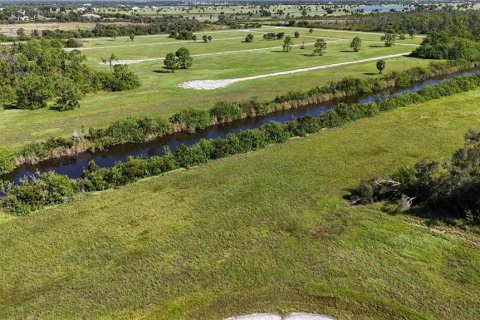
<point x="264" y="231"/>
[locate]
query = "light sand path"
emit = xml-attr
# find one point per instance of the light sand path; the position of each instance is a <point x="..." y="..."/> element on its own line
<point x="216" y="84"/>
<point x="274" y="316"/>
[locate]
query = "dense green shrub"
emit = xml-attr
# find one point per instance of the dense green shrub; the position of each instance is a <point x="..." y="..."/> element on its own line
<point x="32" y="194"/>
<point x="438" y="45"/>
<point x="191" y="119"/>
<point x="447" y="189"/>
<point x="226" y="112"/>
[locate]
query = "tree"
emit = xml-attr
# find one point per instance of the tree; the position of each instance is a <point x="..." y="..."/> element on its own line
<point x="249" y="38"/>
<point x="380" y="66"/>
<point x="69" y="98"/>
<point x="412" y="33"/>
<point x="287" y="44"/>
<point x="183" y="58"/>
<point x="205" y="38"/>
<point x="311" y="30"/>
<point x="356" y="44"/>
<point x="303" y="45"/>
<point x="320" y="47"/>
<point x="297" y="34"/>
<point x="194" y="38"/>
<point x="21" y="32"/>
<point x="110" y="60"/>
<point x="171" y="62"/>
<point x="33" y="91"/>
<point x="132" y="37"/>
<point x="389" y="38"/>
<point x="210" y="38"/>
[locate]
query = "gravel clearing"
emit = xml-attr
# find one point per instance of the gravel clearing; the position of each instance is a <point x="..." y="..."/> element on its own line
<point x="274" y="316"/>
<point x="217" y="84"/>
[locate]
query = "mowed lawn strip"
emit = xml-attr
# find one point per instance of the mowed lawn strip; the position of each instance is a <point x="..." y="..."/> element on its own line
<point x="266" y="231"/>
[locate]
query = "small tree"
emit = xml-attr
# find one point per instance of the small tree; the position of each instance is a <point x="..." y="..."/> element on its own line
<point x="356" y="44"/>
<point x="389" y="38"/>
<point x="381" y="66"/>
<point x="110" y="60"/>
<point x="303" y="45"/>
<point x="171" y="62"/>
<point x="287" y="44"/>
<point x="311" y="30"/>
<point x="205" y="38"/>
<point x="34" y="91"/>
<point x="296" y="34"/>
<point x="21" y="32"/>
<point x="194" y="38"/>
<point x="412" y="33"/>
<point x="320" y="47"/>
<point x="183" y="58"/>
<point x="210" y="38"/>
<point x="69" y="98"/>
<point x="132" y="37"/>
<point x="249" y="38"/>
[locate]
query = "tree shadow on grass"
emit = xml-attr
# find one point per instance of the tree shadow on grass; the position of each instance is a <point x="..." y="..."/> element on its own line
<point x="376" y="46"/>
<point x="10" y="107"/>
<point x="351" y="51"/>
<point x="162" y="71"/>
<point x="370" y="73"/>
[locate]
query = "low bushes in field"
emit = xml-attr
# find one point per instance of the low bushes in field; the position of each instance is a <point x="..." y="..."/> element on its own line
<point x="32" y="194"/>
<point x="444" y="189"/>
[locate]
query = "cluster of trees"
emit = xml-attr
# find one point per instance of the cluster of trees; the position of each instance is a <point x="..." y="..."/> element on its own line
<point x="451" y="186"/>
<point x="274" y="36"/>
<point x="36" y="72"/>
<point x="206" y="38"/>
<point x="440" y="189"/>
<point x="440" y="45"/>
<point x="180" y="60"/>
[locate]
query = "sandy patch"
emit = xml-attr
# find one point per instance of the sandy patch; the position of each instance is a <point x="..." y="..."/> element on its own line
<point x="216" y="84"/>
<point x="274" y="316"/>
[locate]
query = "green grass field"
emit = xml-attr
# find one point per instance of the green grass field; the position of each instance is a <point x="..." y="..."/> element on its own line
<point x="225" y="57"/>
<point x="264" y="231"/>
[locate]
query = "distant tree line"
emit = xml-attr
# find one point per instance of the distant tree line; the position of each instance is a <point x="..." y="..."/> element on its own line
<point x="39" y="71"/>
<point x="34" y="193"/>
<point x="465" y="24"/>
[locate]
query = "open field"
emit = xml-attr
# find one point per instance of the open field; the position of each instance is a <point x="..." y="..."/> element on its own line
<point x="224" y="58"/>
<point x="266" y="231"/>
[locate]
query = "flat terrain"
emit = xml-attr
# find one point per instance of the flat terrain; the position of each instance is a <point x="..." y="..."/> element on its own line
<point x="266" y="231"/>
<point x="224" y="58"/>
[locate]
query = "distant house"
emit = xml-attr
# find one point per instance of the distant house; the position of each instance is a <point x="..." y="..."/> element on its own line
<point x="90" y="16"/>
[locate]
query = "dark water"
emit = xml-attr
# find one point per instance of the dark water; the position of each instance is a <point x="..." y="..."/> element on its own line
<point x="73" y="166"/>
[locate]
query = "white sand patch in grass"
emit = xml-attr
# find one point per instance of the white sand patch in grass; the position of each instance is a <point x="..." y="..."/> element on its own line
<point x="274" y="316"/>
<point x="216" y="84"/>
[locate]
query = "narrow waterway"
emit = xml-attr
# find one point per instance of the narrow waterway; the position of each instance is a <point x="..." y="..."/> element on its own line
<point x="73" y="166"/>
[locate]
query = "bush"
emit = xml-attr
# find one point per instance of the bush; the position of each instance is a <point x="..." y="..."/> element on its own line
<point x="32" y="194"/>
